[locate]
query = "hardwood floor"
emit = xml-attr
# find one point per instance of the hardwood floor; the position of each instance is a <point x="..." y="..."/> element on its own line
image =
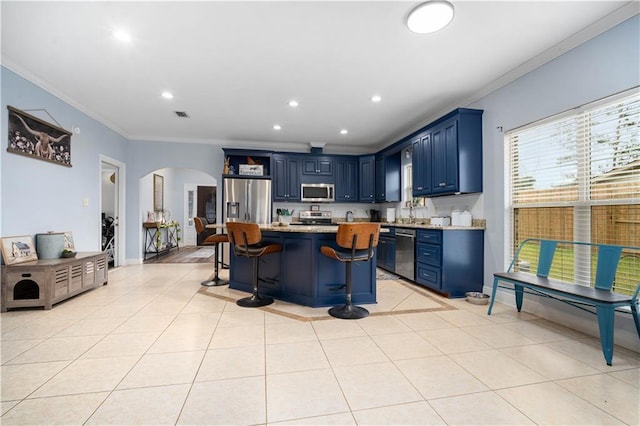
<point x="191" y="254"/>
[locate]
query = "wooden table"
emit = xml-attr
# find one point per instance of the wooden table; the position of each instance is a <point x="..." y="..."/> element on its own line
<point x="154" y="238"/>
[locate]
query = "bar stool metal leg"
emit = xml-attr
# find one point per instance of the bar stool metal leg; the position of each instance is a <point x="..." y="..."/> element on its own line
<point x="348" y="310"/>
<point x="255" y="300"/>
<point x="215" y="279"/>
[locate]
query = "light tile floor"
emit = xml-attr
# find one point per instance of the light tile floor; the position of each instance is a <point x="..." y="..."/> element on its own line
<point x="152" y="348"/>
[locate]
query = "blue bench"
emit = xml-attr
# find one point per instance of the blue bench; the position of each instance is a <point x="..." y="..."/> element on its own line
<point x="600" y="299"/>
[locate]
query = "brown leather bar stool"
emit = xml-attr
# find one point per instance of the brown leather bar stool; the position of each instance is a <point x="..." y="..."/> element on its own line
<point x="356" y="243"/>
<point x="212" y="240"/>
<point x="246" y="240"/>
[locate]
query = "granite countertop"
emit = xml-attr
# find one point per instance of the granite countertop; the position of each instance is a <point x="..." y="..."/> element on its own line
<point x="429" y="226"/>
<point x="329" y="229"/>
<point x="476" y="224"/>
<point x="315" y="229"/>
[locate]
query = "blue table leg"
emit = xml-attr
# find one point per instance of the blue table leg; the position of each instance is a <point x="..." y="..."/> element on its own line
<point x="636" y="317"/>
<point x="606" y="317"/>
<point x="493" y="295"/>
<point x="519" y="293"/>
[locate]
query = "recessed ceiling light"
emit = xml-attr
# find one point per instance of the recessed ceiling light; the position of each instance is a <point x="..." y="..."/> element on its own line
<point x="167" y="95"/>
<point x="376" y="98"/>
<point x="122" y="36"/>
<point x="430" y="17"/>
<point x="344" y="131"/>
<point x="293" y="103"/>
<point x="277" y="127"/>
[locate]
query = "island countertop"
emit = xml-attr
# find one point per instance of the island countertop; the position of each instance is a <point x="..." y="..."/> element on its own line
<point x="310" y="229"/>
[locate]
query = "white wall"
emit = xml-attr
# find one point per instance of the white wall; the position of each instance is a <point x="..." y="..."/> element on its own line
<point x="145" y="157"/>
<point x="38" y="196"/>
<point x="608" y="64"/>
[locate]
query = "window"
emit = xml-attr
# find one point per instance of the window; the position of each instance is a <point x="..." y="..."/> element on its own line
<point x="576" y="177"/>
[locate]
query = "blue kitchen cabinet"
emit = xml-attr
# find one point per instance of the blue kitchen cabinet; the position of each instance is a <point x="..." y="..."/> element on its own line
<point x="421" y="165"/>
<point x="388" y="178"/>
<point x="386" y="255"/>
<point x="450" y="261"/>
<point x="286" y="178"/>
<point x="444" y="161"/>
<point x="367" y="182"/>
<point x="317" y="166"/>
<point x="346" y="174"/>
<point x="448" y="157"/>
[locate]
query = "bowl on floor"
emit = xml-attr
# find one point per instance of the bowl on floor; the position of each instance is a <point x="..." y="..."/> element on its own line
<point x="477" y="298"/>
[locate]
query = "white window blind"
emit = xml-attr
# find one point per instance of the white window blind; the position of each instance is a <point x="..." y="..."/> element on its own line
<point x="576" y="177"/>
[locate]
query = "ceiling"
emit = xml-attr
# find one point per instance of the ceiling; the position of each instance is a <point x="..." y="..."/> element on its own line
<point x="234" y="66"/>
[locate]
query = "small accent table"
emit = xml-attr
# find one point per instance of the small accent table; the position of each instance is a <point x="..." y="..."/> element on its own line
<point x="154" y="243"/>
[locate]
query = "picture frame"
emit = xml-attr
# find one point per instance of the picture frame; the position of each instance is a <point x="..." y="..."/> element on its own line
<point x="18" y="249"/>
<point x="158" y="193"/>
<point x="35" y="138"/>
<point x="68" y="241"/>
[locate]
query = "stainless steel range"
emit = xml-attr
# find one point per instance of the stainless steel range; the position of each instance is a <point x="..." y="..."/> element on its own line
<point x="314" y="217"/>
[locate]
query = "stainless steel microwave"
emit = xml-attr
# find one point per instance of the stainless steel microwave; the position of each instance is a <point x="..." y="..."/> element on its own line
<point x="317" y="192"/>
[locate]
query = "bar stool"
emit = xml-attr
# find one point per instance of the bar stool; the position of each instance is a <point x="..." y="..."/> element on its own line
<point x="246" y="240"/>
<point x="356" y="242"/>
<point x="212" y="240"/>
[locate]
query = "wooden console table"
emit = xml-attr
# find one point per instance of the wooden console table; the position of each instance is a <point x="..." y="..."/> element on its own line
<point x="154" y="243"/>
<point x="45" y="282"/>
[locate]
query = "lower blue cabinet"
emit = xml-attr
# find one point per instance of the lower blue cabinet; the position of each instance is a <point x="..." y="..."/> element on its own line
<point x="450" y="261"/>
<point x="386" y="255"/>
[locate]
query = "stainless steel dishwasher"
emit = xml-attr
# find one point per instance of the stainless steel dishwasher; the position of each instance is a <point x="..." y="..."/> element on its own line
<point x="405" y="257"/>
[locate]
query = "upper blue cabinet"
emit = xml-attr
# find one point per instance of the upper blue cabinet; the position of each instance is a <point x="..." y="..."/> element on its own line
<point x="286" y="177"/>
<point x="388" y="177"/>
<point x="318" y="166"/>
<point x="346" y="179"/>
<point x="447" y="155"/>
<point x="367" y="183"/>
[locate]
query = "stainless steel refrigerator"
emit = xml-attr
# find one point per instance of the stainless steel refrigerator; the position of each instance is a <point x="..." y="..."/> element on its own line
<point x="247" y="200"/>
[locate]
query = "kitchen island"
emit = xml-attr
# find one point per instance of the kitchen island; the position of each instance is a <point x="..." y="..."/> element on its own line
<point x="300" y="273"/>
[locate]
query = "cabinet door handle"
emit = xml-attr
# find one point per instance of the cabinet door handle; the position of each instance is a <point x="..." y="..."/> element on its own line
<point x="419" y="188"/>
<point x="442" y="184"/>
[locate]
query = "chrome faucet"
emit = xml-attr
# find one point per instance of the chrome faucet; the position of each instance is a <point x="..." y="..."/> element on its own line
<point x="410" y="205"/>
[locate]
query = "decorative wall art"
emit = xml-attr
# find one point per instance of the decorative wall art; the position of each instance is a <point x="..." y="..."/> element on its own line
<point x="68" y="241"/>
<point x="158" y="193"/>
<point x="18" y="249"/>
<point x="33" y="137"/>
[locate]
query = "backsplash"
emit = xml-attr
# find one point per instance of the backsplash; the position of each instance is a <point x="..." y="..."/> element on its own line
<point x="422" y="214"/>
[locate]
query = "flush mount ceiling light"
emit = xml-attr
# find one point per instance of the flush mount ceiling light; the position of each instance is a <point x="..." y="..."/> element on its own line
<point x="122" y="36"/>
<point x="430" y="17"/>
